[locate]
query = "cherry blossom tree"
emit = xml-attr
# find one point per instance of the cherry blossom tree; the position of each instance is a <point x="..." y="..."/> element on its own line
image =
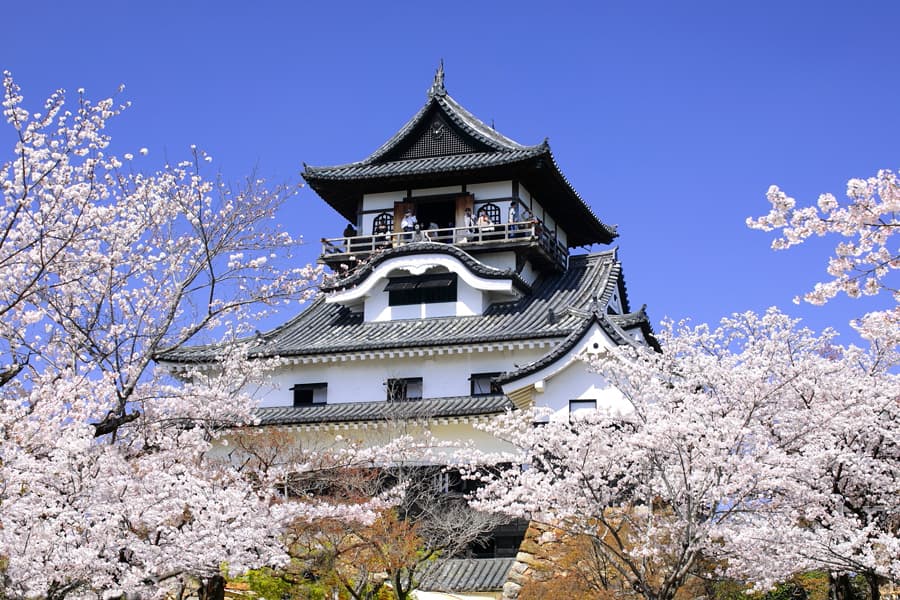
<point x="864" y="261"/>
<point x="843" y="495"/>
<point x="859" y="455"/>
<point x="729" y="432"/>
<point x="106" y="483"/>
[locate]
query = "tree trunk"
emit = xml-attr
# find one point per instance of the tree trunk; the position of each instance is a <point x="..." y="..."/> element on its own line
<point x="399" y="591"/>
<point x="212" y="589"/>
<point x="839" y="587"/>
<point x="874" y="582"/>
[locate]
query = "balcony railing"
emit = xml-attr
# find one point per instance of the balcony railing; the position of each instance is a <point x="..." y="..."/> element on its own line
<point x="529" y="233"/>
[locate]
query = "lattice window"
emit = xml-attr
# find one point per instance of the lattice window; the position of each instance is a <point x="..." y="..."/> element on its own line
<point x="439" y="139"/>
<point x="384" y="223"/>
<point x="492" y="211"/>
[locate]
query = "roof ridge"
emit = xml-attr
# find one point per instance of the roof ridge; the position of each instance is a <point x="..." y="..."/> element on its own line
<point x="456" y="112"/>
<point x="489" y="135"/>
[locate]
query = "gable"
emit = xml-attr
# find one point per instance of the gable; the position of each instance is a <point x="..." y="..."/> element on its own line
<point x="434" y="135"/>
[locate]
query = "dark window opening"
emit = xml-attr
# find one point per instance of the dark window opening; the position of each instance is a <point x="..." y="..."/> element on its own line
<point x="481" y="384"/>
<point x="579" y="408"/>
<point x="503" y="541"/>
<point x="435" y="215"/>
<point x="309" y="393"/>
<point x="383" y="223"/>
<point x="399" y="390"/>
<point x="425" y="289"/>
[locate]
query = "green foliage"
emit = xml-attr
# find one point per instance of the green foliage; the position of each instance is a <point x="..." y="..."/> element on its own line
<point x="270" y="584"/>
<point x="815" y="583"/>
<point x="267" y="584"/>
<point x="814" y="586"/>
<point x="729" y="589"/>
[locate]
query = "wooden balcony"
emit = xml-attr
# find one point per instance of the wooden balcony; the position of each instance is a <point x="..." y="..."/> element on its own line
<point x="528" y="237"/>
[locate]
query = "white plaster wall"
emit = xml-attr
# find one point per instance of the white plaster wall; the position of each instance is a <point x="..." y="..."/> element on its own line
<point x="549" y="223"/>
<point x="528" y="273"/>
<point x="452" y="189"/>
<point x="577" y="382"/>
<point x="569" y="378"/>
<point x="363" y="380"/>
<point x="380" y="202"/>
<point x="537" y="210"/>
<point x="383" y="200"/>
<point x="616" y="303"/>
<point x="524" y="195"/>
<point x="488" y="191"/>
<point x="469" y="301"/>
<point x="637" y="335"/>
<point x="499" y="260"/>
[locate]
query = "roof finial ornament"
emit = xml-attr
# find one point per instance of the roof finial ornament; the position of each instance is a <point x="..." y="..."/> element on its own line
<point x="437" y="87"/>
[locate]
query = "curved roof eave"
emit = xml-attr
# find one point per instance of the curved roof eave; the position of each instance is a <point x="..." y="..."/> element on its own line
<point x="615" y="333"/>
<point x="556" y="306"/>
<point x="364" y="270"/>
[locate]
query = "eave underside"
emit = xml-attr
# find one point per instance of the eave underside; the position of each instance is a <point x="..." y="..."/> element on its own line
<point x="343" y="189"/>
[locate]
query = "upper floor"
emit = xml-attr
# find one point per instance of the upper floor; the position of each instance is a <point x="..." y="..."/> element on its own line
<point x="487" y="217"/>
<point x="449" y="178"/>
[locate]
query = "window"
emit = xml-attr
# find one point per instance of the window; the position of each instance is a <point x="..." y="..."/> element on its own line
<point x="492" y="211"/>
<point x="440" y="482"/>
<point x="383" y="223"/>
<point x="309" y="393"/>
<point x="481" y="383"/>
<point x="398" y="390"/>
<point x="421" y="290"/>
<point x="579" y="408"/>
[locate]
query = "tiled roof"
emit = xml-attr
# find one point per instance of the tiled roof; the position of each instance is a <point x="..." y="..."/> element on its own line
<point x="466" y="575"/>
<point x="610" y="324"/>
<point x="555" y="308"/>
<point x="347" y="412"/>
<point x="629" y="320"/>
<point x="431" y="164"/>
<point x="456" y="113"/>
<point x="478" y="150"/>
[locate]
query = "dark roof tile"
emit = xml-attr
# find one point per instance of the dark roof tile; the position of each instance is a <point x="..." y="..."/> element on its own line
<point x="550" y="311"/>
<point x="488" y="152"/>
<point x="347" y="412"/>
<point x="466" y="575"/>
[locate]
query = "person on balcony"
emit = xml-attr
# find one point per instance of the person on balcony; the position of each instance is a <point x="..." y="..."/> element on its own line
<point x="485" y="224"/>
<point x="512" y="218"/>
<point x="349" y="232"/>
<point x="420" y="235"/>
<point x="382" y="237"/>
<point x="408" y="224"/>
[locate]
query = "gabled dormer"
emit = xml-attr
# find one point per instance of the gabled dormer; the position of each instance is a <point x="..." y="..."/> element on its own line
<point x="424" y="280"/>
<point x="443" y="164"/>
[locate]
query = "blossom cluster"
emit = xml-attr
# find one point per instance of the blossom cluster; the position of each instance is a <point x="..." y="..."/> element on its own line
<point x="866" y="256"/>
<point x="107" y="481"/>
<point x="756" y="448"/>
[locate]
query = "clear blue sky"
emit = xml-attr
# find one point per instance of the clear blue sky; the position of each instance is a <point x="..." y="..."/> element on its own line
<point x="671" y="119"/>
